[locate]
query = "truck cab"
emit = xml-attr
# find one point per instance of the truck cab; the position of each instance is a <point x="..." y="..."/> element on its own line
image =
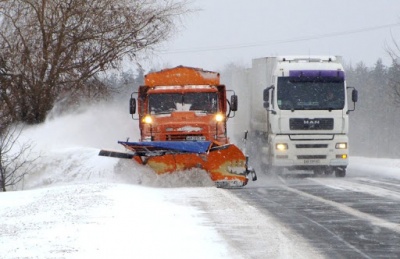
<point x="306" y="115"/>
<point x="183" y="104"/>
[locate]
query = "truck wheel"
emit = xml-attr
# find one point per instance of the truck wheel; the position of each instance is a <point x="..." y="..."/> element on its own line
<point x="329" y="171"/>
<point x="318" y="171"/>
<point x="340" y="172"/>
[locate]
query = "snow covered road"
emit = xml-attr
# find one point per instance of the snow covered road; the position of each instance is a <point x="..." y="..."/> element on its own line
<point x="352" y="217"/>
<point x="121" y="213"/>
<point x="76" y="204"/>
<point x="101" y="220"/>
<point x="80" y="205"/>
<point x="95" y="219"/>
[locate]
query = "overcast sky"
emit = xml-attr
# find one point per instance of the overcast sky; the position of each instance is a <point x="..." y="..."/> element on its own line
<point x="225" y="31"/>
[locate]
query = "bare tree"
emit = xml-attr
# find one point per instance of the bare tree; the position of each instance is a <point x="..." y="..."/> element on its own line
<point x="52" y="48"/>
<point x="14" y="161"/>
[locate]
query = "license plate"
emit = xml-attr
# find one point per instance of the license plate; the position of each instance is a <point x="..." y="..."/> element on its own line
<point x="312" y="162"/>
<point x="195" y="138"/>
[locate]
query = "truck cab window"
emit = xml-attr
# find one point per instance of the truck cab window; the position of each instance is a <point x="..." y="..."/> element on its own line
<point x="163" y="103"/>
<point x="310" y="93"/>
<point x="167" y="103"/>
<point x="202" y="102"/>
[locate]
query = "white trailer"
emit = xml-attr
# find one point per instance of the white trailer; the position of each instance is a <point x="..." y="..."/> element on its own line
<point x="299" y="113"/>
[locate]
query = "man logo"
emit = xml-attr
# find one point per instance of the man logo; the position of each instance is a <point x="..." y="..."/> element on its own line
<point x="311" y="123"/>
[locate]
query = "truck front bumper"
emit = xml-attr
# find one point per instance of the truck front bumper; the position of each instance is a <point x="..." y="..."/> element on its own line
<point x="309" y="150"/>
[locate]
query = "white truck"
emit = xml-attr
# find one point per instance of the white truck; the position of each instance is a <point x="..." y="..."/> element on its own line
<point x="299" y="113"/>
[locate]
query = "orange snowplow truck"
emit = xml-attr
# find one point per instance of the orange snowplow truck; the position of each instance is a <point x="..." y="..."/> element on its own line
<point x="183" y="115"/>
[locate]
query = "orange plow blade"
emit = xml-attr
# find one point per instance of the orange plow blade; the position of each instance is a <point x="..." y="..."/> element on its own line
<point x="225" y="164"/>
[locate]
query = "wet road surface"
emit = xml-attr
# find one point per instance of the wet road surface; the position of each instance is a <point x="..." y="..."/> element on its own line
<point x="351" y="217"/>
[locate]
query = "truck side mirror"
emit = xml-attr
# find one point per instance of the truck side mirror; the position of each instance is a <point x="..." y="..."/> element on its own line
<point x="354" y="98"/>
<point x="266" y="97"/>
<point x="354" y="95"/>
<point x="132" y="106"/>
<point x="266" y="94"/>
<point x="234" y="102"/>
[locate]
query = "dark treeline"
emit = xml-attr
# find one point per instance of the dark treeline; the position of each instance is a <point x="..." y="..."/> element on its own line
<point x="375" y="125"/>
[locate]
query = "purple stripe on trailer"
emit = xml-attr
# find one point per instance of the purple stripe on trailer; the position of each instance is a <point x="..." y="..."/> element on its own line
<point x="317" y="73"/>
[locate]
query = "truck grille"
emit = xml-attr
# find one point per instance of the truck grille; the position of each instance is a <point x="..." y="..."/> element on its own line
<point x="311" y="124"/>
<point x="311" y="157"/>
<point x="311" y="145"/>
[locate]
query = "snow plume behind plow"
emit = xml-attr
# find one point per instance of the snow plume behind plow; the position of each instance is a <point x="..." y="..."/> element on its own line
<point x="68" y="147"/>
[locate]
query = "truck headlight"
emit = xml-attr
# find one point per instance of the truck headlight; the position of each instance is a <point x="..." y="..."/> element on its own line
<point x="147" y="119"/>
<point x="281" y="146"/>
<point x="341" y="145"/>
<point x="219" y="117"/>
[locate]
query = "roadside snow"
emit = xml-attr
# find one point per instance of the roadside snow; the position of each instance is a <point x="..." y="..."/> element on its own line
<point x="361" y="166"/>
<point x="79" y="205"/>
<point x="103" y="220"/>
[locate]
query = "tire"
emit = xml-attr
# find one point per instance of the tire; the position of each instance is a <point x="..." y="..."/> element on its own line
<point x="340" y="172"/>
<point x="318" y="171"/>
<point x="329" y="171"/>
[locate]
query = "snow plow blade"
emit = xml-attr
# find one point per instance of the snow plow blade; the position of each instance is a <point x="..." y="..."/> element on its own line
<point x="116" y="154"/>
<point x="225" y="164"/>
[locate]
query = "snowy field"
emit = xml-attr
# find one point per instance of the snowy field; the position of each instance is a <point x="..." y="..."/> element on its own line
<point x="75" y="204"/>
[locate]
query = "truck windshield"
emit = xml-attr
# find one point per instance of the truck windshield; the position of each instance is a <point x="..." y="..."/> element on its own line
<point x="164" y="103"/>
<point x="310" y="93"/>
